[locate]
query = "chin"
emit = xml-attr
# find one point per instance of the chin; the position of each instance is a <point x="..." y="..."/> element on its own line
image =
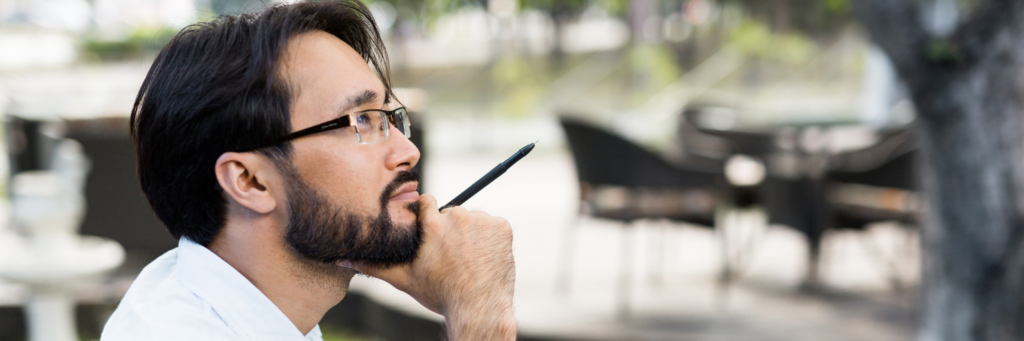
<point x="403" y="219"/>
<point x="404" y="213"/>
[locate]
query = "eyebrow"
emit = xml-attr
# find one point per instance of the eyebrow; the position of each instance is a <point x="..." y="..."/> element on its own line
<point x="367" y="96"/>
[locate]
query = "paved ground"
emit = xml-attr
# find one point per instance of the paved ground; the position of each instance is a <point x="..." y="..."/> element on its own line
<point x="684" y="300"/>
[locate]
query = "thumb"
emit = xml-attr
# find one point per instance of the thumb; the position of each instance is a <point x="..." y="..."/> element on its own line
<point x="427" y="203"/>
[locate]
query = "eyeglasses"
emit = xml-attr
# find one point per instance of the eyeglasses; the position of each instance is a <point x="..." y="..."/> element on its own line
<point x="371" y="126"/>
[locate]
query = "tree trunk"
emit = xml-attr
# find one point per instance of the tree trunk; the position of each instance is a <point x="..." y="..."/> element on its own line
<point x="967" y="89"/>
<point x="971" y="235"/>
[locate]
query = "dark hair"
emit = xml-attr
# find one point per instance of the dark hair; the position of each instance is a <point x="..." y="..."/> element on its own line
<point x="216" y="88"/>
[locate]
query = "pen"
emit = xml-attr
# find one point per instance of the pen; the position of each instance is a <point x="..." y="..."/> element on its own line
<point x="490" y="176"/>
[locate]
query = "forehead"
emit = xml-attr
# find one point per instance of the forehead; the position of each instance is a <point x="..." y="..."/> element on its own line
<point x="324" y="73"/>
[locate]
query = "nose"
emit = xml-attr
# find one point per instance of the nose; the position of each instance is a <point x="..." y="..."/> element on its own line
<point x="402" y="154"/>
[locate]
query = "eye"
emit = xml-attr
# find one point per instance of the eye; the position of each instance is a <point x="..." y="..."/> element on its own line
<point x="363" y="122"/>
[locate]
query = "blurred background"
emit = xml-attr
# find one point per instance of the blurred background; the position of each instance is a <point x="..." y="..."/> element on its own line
<point x="706" y="169"/>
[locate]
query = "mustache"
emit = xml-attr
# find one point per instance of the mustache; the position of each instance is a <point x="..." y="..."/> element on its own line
<point x="400" y="179"/>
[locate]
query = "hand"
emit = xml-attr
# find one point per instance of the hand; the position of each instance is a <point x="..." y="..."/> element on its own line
<point x="464" y="271"/>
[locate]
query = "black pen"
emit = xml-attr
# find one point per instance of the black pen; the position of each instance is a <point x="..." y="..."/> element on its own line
<point x="490" y="176"/>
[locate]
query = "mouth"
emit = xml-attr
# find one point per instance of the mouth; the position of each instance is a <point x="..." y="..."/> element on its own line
<point x="406" y="192"/>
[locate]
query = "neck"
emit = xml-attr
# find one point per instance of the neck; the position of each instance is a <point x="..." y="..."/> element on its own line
<point x="304" y="290"/>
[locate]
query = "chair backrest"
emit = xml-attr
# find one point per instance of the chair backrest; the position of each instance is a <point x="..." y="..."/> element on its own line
<point x="890" y="163"/>
<point x="700" y="140"/>
<point x="603" y="158"/>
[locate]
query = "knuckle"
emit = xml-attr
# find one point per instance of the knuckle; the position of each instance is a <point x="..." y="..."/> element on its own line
<point x="457" y="210"/>
<point x="459" y="215"/>
<point x="431" y="222"/>
<point x="500" y="223"/>
<point x="502" y="226"/>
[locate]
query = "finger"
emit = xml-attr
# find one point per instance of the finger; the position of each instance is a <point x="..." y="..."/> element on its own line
<point x="480" y="215"/>
<point x="395" y="275"/>
<point x="427" y="204"/>
<point x="457" y="210"/>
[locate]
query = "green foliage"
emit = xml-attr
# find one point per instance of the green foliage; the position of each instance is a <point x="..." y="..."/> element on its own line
<point x="141" y="42"/>
<point x="792" y="49"/>
<point x="614" y="7"/>
<point x="655" y="67"/>
<point x="553" y="5"/>
<point x="942" y="51"/>
<point x="837" y="6"/>
<point x="751" y="37"/>
<point x="428" y="11"/>
<point x="755" y="39"/>
<point x="519" y="86"/>
<point x="820" y="19"/>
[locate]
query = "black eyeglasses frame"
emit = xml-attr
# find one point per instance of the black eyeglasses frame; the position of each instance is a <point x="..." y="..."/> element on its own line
<point x="345" y="121"/>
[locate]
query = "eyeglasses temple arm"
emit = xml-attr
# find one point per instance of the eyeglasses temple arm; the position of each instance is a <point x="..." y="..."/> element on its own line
<point x="338" y="123"/>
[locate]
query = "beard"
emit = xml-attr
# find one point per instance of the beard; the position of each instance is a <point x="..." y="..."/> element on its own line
<point x="320" y="231"/>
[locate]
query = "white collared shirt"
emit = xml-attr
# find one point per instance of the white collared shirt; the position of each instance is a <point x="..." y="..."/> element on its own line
<point x="191" y="294"/>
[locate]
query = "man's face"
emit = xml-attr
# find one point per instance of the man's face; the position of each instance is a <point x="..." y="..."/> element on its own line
<point x="339" y="194"/>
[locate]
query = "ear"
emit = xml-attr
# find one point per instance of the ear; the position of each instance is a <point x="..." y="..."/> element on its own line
<point x="245" y="178"/>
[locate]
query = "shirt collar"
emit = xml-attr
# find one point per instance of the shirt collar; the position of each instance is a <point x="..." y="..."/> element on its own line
<point x="242" y="306"/>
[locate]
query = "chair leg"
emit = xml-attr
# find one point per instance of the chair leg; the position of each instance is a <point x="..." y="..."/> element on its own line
<point x="757" y="222"/>
<point x="564" y="282"/>
<point x="893" y="268"/>
<point x="657" y="254"/>
<point x="812" y="279"/>
<point x="625" y="275"/>
<point x="725" y="221"/>
<point x="743" y="234"/>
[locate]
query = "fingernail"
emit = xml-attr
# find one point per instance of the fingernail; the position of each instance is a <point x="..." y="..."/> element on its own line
<point x="345" y="263"/>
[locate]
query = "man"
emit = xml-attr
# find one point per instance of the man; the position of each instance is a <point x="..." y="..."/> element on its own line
<point x="271" y="145"/>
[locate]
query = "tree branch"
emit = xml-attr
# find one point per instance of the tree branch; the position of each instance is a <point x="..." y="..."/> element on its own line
<point x="895" y="26"/>
<point x="994" y="26"/>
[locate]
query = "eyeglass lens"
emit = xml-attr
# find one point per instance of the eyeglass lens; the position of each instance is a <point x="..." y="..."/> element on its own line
<point x="372" y="127"/>
<point x="401" y="121"/>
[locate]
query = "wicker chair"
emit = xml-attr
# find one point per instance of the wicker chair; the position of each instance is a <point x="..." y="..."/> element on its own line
<point x="624" y="182"/>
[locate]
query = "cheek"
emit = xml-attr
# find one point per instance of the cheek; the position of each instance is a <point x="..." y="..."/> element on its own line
<point x="349" y="179"/>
